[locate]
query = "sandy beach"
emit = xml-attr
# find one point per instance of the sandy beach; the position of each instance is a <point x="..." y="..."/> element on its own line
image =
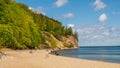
<point x="41" y="59"/>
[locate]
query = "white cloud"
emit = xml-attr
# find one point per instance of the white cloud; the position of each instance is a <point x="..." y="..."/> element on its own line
<point x="98" y="33"/>
<point x="96" y="37"/>
<point x="102" y="27"/>
<point x="98" y="4"/>
<point x="30" y="8"/>
<point x="70" y="25"/>
<point x="68" y="15"/>
<point x="107" y="33"/>
<point x="40" y="10"/>
<point x="112" y="29"/>
<point x="60" y="3"/>
<point x="103" y="17"/>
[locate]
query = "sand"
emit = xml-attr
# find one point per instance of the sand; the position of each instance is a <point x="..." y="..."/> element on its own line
<point x="41" y="59"/>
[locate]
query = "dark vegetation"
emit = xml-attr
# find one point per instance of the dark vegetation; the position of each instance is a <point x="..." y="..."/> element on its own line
<point x="22" y="28"/>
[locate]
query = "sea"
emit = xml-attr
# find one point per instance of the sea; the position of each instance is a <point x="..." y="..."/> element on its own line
<point x="98" y="53"/>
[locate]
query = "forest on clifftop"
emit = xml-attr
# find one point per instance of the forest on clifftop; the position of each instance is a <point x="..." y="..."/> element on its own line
<point x="22" y="28"/>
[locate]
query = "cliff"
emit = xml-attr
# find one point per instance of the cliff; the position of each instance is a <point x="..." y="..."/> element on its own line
<point x="65" y="42"/>
<point x="70" y="41"/>
<point x="24" y="28"/>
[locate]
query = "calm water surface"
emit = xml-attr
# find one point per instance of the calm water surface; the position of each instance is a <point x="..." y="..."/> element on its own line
<point x="99" y="53"/>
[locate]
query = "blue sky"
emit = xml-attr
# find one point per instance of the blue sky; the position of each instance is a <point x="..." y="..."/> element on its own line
<point x="96" y="21"/>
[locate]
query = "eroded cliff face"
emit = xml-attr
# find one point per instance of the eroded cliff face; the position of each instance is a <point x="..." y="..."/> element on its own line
<point x="69" y="41"/>
<point x="64" y="43"/>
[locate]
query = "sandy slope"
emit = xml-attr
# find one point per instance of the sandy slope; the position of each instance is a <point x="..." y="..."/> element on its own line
<point x="41" y="59"/>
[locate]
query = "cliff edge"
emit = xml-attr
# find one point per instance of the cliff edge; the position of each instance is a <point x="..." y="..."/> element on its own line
<point x="65" y="42"/>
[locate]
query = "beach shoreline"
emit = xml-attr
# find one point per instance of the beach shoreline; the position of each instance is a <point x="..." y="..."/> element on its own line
<point x="42" y="59"/>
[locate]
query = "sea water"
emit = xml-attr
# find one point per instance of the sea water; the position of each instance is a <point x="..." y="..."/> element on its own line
<point x="99" y="53"/>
